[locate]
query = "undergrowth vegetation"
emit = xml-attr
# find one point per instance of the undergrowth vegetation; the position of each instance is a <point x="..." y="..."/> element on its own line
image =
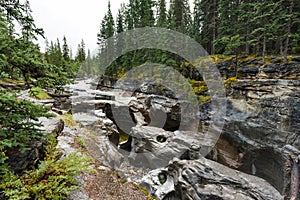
<point x="53" y="179"/>
<point x="19" y="129"/>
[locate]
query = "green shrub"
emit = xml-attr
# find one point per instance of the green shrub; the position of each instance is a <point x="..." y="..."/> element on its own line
<point x="18" y="120"/>
<point x="53" y="179"/>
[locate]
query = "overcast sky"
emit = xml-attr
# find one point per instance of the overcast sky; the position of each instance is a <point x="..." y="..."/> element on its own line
<point x="76" y="19"/>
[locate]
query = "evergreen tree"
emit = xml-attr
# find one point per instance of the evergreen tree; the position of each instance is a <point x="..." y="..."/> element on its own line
<point x="65" y="50"/>
<point x="196" y="22"/>
<point x="230" y="30"/>
<point x="107" y="29"/>
<point x="295" y="29"/>
<point x="179" y="16"/>
<point x="81" y="55"/>
<point x="208" y="24"/>
<point x="265" y="21"/>
<point x="16" y="11"/>
<point x="110" y="24"/>
<point x="221" y="26"/>
<point x="145" y="13"/>
<point x="120" y="21"/>
<point x="290" y="21"/>
<point x="58" y="53"/>
<point x="120" y="29"/>
<point x="162" y="14"/>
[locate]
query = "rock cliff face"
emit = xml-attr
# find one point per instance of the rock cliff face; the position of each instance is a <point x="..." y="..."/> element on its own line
<point x="261" y="137"/>
<point x="262" y="122"/>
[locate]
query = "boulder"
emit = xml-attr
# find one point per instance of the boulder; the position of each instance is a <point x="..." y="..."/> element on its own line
<point x="205" y="179"/>
<point x="154" y="147"/>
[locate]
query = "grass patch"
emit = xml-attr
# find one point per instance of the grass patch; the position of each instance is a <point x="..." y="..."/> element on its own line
<point x="81" y="142"/>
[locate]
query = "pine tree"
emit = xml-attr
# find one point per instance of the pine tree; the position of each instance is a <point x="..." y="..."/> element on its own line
<point x="145" y="13"/>
<point x="196" y="22"/>
<point x="237" y="27"/>
<point x="65" y="50"/>
<point x="289" y="24"/>
<point x="120" y="20"/>
<point x="209" y="22"/>
<point x="176" y="15"/>
<point x="265" y="20"/>
<point x="107" y="29"/>
<point x="295" y="29"/>
<point x="16" y="11"/>
<point x="58" y="53"/>
<point x="81" y="55"/>
<point x="120" y="29"/>
<point x="162" y="14"/>
<point x="128" y="18"/>
<point x="110" y="25"/>
<point x="27" y="29"/>
<point x="230" y="29"/>
<point x="179" y="16"/>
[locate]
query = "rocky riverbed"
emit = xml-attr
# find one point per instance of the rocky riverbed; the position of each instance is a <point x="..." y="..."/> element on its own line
<point x="257" y="156"/>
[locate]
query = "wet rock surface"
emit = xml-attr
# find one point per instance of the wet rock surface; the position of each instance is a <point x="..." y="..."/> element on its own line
<point x="258" y="147"/>
<point x="205" y="179"/>
<point x="256" y="156"/>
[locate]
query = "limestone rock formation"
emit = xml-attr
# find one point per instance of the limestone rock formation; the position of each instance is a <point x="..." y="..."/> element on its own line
<point x="204" y="179"/>
<point x="258" y="150"/>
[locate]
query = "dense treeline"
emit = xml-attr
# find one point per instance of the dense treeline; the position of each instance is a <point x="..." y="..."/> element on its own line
<point x="21" y="58"/>
<point x="269" y="27"/>
<point x="22" y="63"/>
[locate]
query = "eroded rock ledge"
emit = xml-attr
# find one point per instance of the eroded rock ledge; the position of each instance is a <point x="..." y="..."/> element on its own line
<point x="205" y="179"/>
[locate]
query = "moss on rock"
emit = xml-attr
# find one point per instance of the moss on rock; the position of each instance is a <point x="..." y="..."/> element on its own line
<point x="39" y="93"/>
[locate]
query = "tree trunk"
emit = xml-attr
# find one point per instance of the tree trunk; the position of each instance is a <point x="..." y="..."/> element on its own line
<point x="281" y="46"/>
<point x="26" y="79"/>
<point x="213" y="49"/>
<point x="247" y="50"/>
<point x="288" y="32"/>
<point x="264" y="49"/>
<point x="236" y="63"/>
<point x="257" y="50"/>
